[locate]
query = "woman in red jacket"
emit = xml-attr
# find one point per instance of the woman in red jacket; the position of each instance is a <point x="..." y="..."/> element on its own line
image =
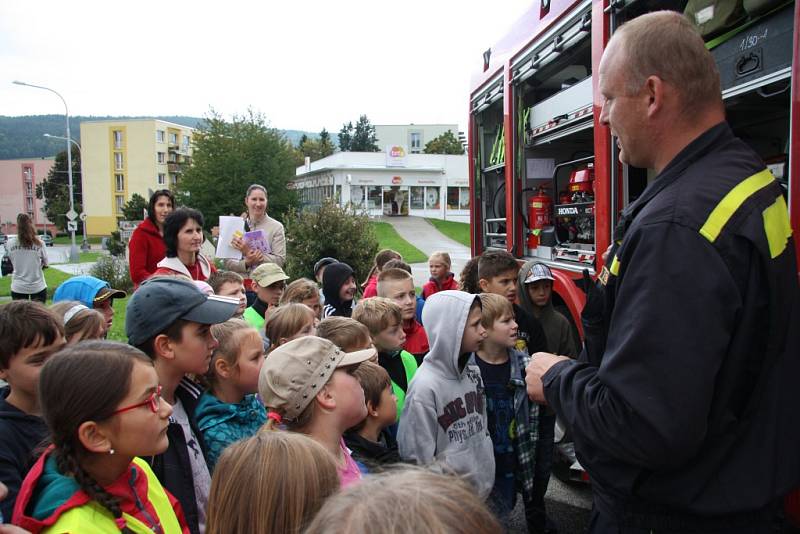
<point x="146" y="247"/>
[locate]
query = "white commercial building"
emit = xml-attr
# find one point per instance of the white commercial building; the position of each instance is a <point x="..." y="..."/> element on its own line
<point x="390" y="183"/>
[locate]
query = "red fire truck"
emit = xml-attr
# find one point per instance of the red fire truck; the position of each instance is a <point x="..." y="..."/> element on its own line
<point x="545" y="178"/>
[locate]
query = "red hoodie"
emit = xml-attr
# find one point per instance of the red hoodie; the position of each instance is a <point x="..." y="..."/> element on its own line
<point x="416" y="340"/>
<point x="146" y="249"/>
<point x="433" y="285"/>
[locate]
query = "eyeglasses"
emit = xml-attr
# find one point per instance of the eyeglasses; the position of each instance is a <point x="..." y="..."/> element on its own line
<point x="153" y="401"/>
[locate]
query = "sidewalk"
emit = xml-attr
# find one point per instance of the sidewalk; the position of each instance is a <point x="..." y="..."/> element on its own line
<point x="421" y="234"/>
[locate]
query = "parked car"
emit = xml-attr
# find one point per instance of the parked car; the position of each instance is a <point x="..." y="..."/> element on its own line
<point x="47" y="239"/>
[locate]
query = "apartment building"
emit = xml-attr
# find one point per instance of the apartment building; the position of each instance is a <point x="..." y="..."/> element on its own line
<point x="412" y="136"/>
<point x="123" y="157"/>
<point x="18" y="180"/>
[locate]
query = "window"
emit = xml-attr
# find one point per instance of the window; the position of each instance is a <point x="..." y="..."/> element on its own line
<point x="416" y="142"/>
<point x="29" y="189"/>
<point x="27" y="172"/>
<point x="30" y="204"/>
<point x="458" y="198"/>
<point x="432" y="198"/>
<point x="173" y="138"/>
<point x="357" y="196"/>
<point x="161" y="157"/>
<point x="186" y="141"/>
<point x="374" y="197"/>
<point x="118" y="163"/>
<point x="120" y="203"/>
<point x="173" y="178"/>
<point x="417" y="197"/>
<point x="160" y="136"/>
<point x="162" y="178"/>
<point x="120" y="180"/>
<point x="117" y="138"/>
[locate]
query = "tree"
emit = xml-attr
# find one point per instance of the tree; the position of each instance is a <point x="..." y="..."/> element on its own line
<point x="315" y="148"/>
<point x="54" y="189"/>
<point x="346" y="137"/>
<point x="447" y="143"/>
<point x="228" y="157"/>
<point x="364" y="138"/>
<point x="334" y="231"/>
<point x="133" y="210"/>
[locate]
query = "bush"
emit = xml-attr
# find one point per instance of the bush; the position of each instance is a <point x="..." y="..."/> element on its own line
<point x="330" y="231"/>
<point x="113" y="270"/>
<point x="115" y="245"/>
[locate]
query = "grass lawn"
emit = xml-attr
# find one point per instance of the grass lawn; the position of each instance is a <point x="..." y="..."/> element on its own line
<point x="52" y="276"/>
<point x="389" y="238"/>
<point x="117" y="332"/>
<point x="91" y="257"/>
<point x="65" y="240"/>
<point x="454" y="230"/>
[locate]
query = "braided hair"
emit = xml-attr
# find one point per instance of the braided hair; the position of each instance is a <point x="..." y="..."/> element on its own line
<point x="103" y="370"/>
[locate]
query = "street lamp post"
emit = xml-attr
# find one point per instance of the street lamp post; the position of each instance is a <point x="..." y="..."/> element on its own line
<point x="73" y="251"/>
<point x="85" y="244"/>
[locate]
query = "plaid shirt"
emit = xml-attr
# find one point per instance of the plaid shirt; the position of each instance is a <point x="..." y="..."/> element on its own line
<point x="526" y="417"/>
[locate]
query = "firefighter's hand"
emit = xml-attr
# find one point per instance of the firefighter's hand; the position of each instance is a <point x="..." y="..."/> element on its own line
<point x="541" y="362"/>
<point x="593" y="309"/>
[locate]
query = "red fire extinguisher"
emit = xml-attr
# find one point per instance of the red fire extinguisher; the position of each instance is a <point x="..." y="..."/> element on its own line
<point x="540" y="208"/>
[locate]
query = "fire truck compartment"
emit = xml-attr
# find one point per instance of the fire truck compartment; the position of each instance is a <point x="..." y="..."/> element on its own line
<point x="563" y="109"/>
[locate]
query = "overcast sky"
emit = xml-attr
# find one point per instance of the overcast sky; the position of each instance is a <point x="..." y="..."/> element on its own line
<point x="305" y="65"/>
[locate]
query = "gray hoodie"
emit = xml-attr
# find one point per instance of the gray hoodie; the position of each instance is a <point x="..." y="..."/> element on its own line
<point x="444" y="418"/>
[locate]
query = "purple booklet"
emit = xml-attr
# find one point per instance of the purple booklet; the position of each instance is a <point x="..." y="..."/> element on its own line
<point x="257" y="240"/>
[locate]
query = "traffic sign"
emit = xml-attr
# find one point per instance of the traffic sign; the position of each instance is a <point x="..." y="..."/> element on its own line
<point x="72" y="226"/>
<point x="72" y="215"/>
<point x="82" y="216"/>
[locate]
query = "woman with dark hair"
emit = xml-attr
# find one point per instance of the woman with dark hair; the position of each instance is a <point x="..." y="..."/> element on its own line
<point x="146" y="247"/>
<point x="28" y="257"/>
<point x="183" y="237"/>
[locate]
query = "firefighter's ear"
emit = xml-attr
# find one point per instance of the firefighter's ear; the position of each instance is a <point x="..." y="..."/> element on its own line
<point x="654" y="93"/>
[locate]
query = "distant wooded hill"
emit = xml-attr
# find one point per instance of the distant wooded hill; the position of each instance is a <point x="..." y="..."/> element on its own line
<point x="23" y="136"/>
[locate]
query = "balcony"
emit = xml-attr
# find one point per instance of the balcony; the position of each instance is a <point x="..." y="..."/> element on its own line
<point x="174" y="168"/>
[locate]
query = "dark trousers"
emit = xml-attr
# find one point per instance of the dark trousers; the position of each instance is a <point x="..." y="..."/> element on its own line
<point x="41" y="296"/>
<point x="535" y="514"/>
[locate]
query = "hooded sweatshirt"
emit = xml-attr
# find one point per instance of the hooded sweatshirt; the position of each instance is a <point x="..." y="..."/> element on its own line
<point x="51" y="501"/>
<point x="222" y="423"/>
<point x="557" y="328"/>
<point x="434" y="286"/>
<point x="444" y="418"/>
<point x="20" y="435"/>
<point x="334" y="277"/>
<point x="145" y="250"/>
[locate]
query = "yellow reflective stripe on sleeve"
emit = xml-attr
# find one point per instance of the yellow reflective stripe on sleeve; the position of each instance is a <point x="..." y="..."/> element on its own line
<point x="733" y="200"/>
<point x="614" y="267"/>
<point x="777" y="227"/>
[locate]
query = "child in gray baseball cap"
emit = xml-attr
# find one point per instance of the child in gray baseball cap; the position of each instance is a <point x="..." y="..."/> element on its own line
<point x="169" y="319"/>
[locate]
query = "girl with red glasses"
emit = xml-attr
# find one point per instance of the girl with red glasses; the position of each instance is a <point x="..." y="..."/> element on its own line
<point x="102" y="404"/>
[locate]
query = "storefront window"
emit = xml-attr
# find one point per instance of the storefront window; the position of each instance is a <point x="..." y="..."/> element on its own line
<point x="357" y="196"/>
<point x="458" y="198"/>
<point x="374" y="194"/>
<point x="432" y="198"/>
<point x="417" y="198"/>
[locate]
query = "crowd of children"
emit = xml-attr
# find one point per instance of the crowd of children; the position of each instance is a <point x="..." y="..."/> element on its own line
<point x="223" y="417"/>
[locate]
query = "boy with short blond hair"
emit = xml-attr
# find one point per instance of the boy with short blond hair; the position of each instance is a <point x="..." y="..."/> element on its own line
<point x="384" y="320"/>
<point x="398" y="285"/>
<point x="513" y="419"/>
<point x="344" y="332"/>
<point x="29" y="335"/>
<point x="444" y="418"/>
<point x="230" y="284"/>
<point x="441" y="278"/>
<point x="497" y="273"/>
<point x="369" y="441"/>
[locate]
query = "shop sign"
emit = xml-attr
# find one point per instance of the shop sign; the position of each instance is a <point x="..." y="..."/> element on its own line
<point x="396" y="156"/>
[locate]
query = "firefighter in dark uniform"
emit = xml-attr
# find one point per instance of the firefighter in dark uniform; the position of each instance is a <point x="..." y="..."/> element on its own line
<point x="690" y="420"/>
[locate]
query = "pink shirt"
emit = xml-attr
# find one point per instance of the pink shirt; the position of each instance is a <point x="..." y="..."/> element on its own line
<point x="350" y="473"/>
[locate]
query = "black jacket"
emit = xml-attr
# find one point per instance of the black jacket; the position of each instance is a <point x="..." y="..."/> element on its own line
<point x="692" y="414"/>
<point x="20" y="437"/>
<point x="173" y="467"/>
<point x="372" y="455"/>
<point x="333" y="278"/>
